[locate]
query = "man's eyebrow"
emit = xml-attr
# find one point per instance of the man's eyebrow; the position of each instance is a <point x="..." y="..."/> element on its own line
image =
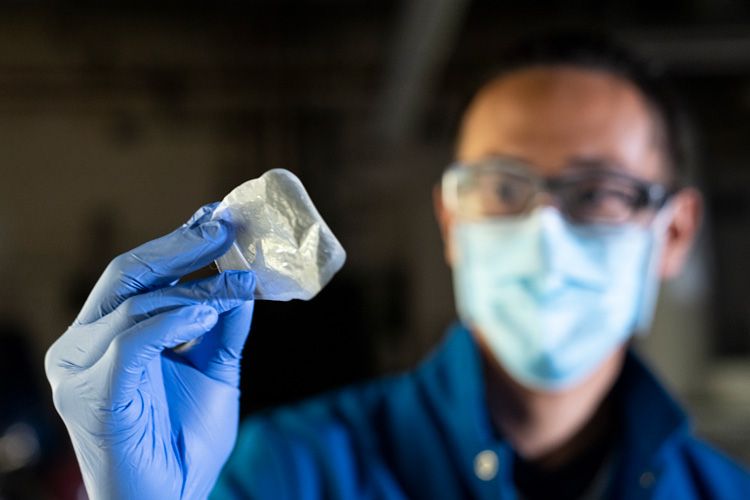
<point x="594" y="163"/>
<point x="506" y="156"/>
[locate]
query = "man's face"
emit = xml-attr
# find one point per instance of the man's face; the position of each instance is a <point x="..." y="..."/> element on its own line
<point x="554" y="118"/>
<point x="558" y="120"/>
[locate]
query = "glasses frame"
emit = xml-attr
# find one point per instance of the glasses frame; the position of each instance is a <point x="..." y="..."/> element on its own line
<point x="652" y="195"/>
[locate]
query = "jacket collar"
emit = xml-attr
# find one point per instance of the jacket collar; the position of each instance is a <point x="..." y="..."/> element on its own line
<point x="452" y="378"/>
<point x="652" y="420"/>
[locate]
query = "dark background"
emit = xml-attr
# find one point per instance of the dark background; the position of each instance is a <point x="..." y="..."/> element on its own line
<point x="118" y="121"/>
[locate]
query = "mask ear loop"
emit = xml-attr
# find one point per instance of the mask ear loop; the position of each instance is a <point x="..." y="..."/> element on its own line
<point x="651" y="286"/>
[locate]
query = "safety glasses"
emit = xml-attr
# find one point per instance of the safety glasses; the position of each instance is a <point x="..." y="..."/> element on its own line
<point x="503" y="187"/>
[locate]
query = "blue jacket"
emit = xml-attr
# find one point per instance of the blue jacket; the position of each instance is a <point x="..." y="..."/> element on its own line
<point x="427" y="434"/>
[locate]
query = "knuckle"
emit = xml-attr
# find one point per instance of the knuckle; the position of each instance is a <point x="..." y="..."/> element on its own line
<point x="58" y="400"/>
<point x="63" y="400"/>
<point x="53" y="368"/>
<point x="126" y="266"/>
<point x="120" y="263"/>
<point x="50" y="362"/>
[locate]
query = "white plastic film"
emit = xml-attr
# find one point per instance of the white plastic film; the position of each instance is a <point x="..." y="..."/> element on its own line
<point x="281" y="237"/>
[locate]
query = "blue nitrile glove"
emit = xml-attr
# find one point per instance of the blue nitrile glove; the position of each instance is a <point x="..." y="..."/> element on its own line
<point x="148" y="422"/>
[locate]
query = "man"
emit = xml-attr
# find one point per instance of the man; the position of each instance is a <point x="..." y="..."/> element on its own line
<point x="564" y="209"/>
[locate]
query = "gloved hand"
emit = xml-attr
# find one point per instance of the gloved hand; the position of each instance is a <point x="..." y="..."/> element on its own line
<point x="148" y="422"/>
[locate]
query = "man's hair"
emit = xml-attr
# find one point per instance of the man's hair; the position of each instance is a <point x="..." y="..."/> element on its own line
<point x="599" y="51"/>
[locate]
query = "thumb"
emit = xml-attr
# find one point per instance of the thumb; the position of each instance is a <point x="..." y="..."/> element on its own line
<point x="129" y="353"/>
<point x="218" y="354"/>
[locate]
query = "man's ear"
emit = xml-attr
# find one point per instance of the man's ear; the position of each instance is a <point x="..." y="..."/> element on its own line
<point x="445" y="222"/>
<point x="681" y="232"/>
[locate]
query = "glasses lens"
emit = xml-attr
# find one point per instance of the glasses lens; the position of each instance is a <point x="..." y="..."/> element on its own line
<point x="501" y="188"/>
<point x="601" y="199"/>
<point x="484" y="192"/>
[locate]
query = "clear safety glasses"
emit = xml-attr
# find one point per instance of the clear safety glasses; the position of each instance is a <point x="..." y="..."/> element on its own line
<point x="501" y="187"/>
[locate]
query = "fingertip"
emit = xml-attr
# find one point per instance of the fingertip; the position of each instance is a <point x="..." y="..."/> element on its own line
<point x="217" y="229"/>
<point x="206" y="316"/>
<point x="202" y="215"/>
<point x="221" y="213"/>
<point x="242" y="281"/>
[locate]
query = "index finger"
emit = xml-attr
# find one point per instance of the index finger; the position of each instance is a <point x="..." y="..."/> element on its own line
<point x="159" y="263"/>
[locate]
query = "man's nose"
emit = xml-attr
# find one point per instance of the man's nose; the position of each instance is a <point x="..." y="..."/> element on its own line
<point x="564" y="255"/>
<point x="543" y="198"/>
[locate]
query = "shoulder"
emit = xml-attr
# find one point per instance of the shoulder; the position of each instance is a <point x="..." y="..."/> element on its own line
<point x="711" y="473"/>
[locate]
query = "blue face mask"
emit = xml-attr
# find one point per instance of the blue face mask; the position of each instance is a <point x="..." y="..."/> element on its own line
<point x="551" y="299"/>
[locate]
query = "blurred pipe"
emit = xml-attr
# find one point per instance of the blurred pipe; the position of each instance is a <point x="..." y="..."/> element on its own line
<point x="425" y="35"/>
